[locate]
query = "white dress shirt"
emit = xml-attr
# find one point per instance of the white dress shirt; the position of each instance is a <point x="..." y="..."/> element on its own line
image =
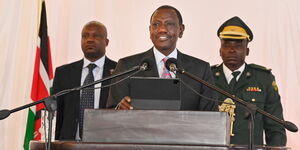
<point x="229" y="76"/>
<point x="160" y="63"/>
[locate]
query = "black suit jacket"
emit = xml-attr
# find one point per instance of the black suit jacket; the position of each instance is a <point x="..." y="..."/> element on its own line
<point x="66" y="77"/>
<point x="190" y="100"/>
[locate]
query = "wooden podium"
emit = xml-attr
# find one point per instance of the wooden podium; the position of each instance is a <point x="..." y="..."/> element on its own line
<point x="151" y="130"/>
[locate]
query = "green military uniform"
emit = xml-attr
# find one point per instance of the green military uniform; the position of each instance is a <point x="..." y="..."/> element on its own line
<point x="256" y="85"/>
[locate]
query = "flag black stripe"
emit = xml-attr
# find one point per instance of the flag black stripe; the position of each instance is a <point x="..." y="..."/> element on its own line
<point x="43" y="34"/>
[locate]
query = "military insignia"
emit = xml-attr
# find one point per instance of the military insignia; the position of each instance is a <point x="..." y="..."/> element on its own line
<point x="275" y="87"/>
<point x="111" y="71"/>
<point x="229" y="107"/>
<point x="253" y="89"/>
<point x="248" y="74"/>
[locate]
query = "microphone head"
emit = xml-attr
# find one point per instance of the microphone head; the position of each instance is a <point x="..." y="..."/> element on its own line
<point x="290" y="126"/>
<point x="146" y="64"/>
<point x="4" y="113"/>
<point x="169" y="62"/>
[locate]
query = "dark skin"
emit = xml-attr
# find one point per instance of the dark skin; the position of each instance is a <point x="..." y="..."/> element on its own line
<point x="234" y="52"/>
<point x="94" y="41"/>
<point x="165" y="30"/>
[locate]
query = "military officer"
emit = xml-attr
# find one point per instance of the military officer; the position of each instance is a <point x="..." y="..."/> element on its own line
<point x="250" y="82"/>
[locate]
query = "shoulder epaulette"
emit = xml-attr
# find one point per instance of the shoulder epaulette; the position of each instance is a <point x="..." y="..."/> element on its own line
<point x="259" y="67"/>
<point x="215" y="66"/>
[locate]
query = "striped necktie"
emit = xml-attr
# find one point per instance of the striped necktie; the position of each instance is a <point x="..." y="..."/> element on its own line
<point x="165" y="73"/>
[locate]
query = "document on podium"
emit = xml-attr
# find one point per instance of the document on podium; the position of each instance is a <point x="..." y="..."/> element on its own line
<point x="152" y="93"/>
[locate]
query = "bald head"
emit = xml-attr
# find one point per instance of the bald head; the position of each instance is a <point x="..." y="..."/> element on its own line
<point x="95" y="24"/>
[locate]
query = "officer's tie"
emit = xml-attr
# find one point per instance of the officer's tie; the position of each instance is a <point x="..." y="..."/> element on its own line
<point x="87" y="96"/>
<point x="233" y="81"/>
<point x="165" y="73"/>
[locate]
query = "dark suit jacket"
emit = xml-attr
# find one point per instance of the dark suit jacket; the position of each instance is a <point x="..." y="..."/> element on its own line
<point x="257" y="86"/>
<point x="66" y="77"/>
<point x="190" y="100"/>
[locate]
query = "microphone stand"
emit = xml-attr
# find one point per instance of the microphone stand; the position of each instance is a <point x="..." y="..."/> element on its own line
<point x="252" y="109"/>
<point x="50" y="101"/>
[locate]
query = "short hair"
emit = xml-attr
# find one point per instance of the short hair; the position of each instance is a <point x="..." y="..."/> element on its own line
<point x="95" y="23"/>
<point x="169" y="7"/>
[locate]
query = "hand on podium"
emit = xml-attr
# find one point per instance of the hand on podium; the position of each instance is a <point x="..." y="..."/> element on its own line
<point x="125" y="104"/>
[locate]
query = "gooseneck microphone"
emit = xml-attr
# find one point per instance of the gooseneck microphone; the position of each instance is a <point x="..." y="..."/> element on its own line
<point x="171" y="65"/>
<point x="50" y="101"/>
<point x="145" y="64"/>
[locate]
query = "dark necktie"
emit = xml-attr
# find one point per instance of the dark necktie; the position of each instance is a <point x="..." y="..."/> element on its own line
<point x="87" y="96"/>
<point x="233" y="81"/>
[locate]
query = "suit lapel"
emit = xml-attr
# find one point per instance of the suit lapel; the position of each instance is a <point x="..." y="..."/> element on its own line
<point x="108" y="67"/>
<point x="245" y="77"/>
<point x="220" y="79"/>
<point x="75" y="78"/>
<point x="75" y="74"/>
<point x="152" y="72"/>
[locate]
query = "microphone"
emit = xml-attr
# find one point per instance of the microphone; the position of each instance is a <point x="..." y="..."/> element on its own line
<point x="171" y="64"/>
<point x="145" y="64"/>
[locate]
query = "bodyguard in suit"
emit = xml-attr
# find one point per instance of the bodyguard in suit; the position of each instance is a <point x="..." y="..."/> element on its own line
<point x="253" y="83"/>
<point x="166" y="26"/>
<point x="94" y="66"/>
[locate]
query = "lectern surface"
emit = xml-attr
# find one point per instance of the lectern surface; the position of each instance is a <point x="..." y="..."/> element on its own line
<point x="158" y="127"/>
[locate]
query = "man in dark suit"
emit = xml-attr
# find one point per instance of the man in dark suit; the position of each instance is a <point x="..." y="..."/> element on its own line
<point x="70" y="106"/>
<point x="253" y="83"/>
<point x="166" y="26"/>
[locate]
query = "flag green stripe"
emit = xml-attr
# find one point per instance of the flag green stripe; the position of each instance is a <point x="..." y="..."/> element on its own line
<point x="29" y="129"/>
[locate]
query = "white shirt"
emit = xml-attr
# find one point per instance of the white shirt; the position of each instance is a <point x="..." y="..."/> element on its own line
<point x="97" y="72"/>
<point x="160" y="63"/>
<point x="229" y="76"/>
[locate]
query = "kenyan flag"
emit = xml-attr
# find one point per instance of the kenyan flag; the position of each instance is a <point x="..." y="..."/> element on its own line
<point x="41" y="82"/>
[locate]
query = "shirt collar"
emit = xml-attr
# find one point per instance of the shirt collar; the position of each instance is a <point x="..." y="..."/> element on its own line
<point x="159" y="56"/>
<point x="99" y="62"/>
<point x="227" y="72"/>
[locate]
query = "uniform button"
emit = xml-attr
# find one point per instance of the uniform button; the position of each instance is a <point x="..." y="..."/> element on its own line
<point x="253" y="100"/>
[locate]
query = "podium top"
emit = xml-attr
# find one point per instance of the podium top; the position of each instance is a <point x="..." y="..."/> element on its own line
<point x="156" y="127"/>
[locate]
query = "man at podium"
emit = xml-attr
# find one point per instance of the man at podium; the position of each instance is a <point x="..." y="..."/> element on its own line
<point x="166" y="26"/>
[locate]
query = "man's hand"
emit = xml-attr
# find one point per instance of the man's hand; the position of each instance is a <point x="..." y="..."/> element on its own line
<point x="125" y="103"/>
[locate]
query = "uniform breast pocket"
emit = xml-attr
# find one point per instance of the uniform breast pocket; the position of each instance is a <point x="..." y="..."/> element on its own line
<point x="256" y="97"/>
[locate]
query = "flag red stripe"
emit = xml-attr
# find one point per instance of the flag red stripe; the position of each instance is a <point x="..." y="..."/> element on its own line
<point x="37" y="126"/>
<point x="38" y="89"/>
